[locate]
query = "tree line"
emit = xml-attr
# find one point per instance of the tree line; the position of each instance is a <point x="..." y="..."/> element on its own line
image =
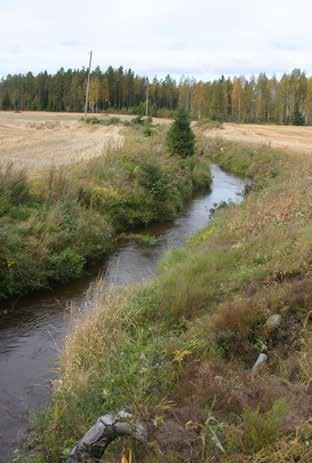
<point x="262" y="99"/>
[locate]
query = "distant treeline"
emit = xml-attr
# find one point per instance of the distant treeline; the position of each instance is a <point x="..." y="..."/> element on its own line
<point x="287" y="100"/>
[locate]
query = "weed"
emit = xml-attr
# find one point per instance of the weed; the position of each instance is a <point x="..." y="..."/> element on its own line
<point x="258" y="429"/>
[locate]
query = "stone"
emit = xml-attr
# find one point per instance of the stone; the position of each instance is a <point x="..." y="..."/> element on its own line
<point x="261" y="360"/>
<point x="273" y="322"/>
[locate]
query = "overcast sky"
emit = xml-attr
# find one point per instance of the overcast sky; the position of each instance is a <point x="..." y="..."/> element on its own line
<point x="200" y="38"/>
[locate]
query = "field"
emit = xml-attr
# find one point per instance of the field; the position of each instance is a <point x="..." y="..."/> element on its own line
<point x="37" y="140"/>
<point x="289" y="138"/>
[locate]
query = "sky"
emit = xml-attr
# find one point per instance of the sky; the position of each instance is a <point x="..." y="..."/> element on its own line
<point x="199" y="38"/>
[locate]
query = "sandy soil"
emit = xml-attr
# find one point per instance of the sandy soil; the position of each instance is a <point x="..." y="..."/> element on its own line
<point x="36" y="140"/>
<point x="289" y="138"/>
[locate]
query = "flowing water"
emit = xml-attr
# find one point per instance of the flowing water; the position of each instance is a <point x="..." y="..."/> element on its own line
<point x="32" y="329"/>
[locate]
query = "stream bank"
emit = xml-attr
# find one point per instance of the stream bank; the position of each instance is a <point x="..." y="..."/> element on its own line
<point x="33" y="330"/>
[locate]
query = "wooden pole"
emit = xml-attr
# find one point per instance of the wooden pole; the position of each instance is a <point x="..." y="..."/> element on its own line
<point x="146" y="112"/>
<point x="88" y="85"/>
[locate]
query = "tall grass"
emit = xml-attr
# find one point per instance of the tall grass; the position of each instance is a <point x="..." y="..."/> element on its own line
<point x="54" y="224"/>
<point x="178" y="351"/>
<point x="13" y="183"/>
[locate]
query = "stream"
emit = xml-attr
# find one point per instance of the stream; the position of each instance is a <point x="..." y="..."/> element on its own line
<point x="32" y="329"/>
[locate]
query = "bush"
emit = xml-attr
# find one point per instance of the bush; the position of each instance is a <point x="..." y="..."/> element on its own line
<point x="96" y="121"/>
<point x="65" y="266"/>
<point x="201" y="175"/>
<point x="147" y="129"/>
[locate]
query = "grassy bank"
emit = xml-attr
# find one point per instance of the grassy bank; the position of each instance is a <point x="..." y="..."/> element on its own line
<point x="53" y="225"/>
<point x="178" y="351"/>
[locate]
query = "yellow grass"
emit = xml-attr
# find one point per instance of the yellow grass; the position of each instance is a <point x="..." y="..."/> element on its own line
<point x="289" y="138"/>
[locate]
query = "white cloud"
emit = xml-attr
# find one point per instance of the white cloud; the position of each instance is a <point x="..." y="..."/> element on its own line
<point x="202" y="38"/>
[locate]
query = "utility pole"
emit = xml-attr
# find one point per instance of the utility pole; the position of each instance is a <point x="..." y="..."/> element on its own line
<point x="146" y="109"/>
<point x="88" y="85"/>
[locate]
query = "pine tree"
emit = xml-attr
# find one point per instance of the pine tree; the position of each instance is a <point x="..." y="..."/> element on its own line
<point x="180" y="139"/>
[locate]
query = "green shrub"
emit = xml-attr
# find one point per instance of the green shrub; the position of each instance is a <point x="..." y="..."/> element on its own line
<point x="201" y="175"/>
<point x="154" y="180"/>
<point x="106" y="122"/>
<point x="139" y="120"/>
<point x="65" y="266"/>
<point x="147" y="130"/>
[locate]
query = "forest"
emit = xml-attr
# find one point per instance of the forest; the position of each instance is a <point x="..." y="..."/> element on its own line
<point x="261" y="99"/>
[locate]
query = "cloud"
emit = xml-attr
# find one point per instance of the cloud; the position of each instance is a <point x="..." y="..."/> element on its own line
<point x="202" y="38"/>
<point x="70" y="43"/>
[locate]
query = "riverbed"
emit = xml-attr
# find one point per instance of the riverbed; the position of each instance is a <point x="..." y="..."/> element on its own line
<point x="32" y="329"/>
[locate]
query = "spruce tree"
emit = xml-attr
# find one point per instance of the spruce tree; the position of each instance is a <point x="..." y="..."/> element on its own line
<point x="298" y="118"/>
<point x="180" y="138"/>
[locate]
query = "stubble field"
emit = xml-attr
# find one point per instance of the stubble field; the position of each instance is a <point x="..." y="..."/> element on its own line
<point x="37" y="140"/>
<point x="288" y="138"/>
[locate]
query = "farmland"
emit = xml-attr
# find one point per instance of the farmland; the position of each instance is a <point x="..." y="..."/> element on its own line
<point x="37" y="140"/>
<point x="282" y="137"/>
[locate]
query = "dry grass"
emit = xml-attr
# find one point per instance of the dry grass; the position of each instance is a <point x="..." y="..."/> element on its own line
<point x="289" y="138"/>
<point x="38" y="140"/>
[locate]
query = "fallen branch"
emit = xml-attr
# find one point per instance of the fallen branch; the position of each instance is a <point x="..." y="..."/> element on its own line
<point x="109" y="427"/>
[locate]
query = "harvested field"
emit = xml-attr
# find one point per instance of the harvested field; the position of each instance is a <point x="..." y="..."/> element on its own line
<point x="36" y="140"/>
<point x="289" y="138"/>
